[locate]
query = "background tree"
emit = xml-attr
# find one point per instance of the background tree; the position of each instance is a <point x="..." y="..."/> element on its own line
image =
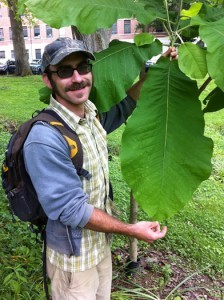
<point x="21" y="56"/>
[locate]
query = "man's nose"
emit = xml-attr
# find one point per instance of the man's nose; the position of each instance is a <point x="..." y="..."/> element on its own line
<point x="76" y="77"/>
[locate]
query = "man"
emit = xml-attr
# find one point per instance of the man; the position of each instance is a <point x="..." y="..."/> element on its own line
<point x="80" y="222"/>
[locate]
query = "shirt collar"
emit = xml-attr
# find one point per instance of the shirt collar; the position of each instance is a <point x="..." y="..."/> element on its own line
<point x="90" y="110"/>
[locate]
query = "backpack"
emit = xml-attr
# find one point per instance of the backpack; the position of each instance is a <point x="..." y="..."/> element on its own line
<point x="23" y="200"/>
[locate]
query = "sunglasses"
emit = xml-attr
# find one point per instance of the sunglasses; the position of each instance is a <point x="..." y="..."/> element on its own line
<point x="67" y="71"/>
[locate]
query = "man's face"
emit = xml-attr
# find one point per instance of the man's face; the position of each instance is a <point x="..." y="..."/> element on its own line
<point x="72" y="91"/>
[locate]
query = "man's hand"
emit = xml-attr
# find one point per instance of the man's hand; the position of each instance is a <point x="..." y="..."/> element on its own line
<point x="148" y="231"/>
<point x="171" y="52"/>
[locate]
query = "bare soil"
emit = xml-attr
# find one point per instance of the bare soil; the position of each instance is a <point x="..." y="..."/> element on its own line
<point x="159" y="273"/>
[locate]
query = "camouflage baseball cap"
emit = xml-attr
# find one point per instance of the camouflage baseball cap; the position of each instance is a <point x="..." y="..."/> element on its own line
<point x="60" y="48"/>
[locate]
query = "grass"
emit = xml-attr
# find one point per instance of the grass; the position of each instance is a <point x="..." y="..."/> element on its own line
<point x="19" y="96"/>
<point x="196" y="233"/>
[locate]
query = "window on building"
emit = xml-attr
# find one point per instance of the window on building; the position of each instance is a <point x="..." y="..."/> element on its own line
<point x="2" y="54"/>
<point x="114" y="28"/>
<point x="25" y="32"/>
<point x="49" y="32"/>
<point x="38" y="53"/>
<point x="12" y="54"/>
<point x="0" y="12"/>
<point x="10" y="33"/>
<point x="127" y="26"/>
<point x="1" y="34"/>
<point x="36" y="31"/>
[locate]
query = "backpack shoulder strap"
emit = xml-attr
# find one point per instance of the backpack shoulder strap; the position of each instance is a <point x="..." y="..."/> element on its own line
<point x="71" y="137"/>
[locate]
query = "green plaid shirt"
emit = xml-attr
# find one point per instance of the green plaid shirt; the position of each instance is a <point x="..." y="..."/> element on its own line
<point x="94" y="245"/>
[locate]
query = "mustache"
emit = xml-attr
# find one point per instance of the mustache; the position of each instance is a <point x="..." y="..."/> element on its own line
<point x="78" y="85"/>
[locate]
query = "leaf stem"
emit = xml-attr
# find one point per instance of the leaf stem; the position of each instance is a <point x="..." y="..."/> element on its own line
<point x="183" y="28"/>
<point x="167" y="31"/>
<point x="168" y="18"/>
<point x="178" y="17"/>
<point x="204" y="85"/>
<point x="164" y="20"/>
<point x="180" y="38"/>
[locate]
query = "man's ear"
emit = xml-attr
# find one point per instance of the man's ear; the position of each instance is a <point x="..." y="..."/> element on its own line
<point x="46" y="80"/>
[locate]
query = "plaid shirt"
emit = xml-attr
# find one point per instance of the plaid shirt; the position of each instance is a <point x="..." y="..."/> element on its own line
<point x="94" y="245"/>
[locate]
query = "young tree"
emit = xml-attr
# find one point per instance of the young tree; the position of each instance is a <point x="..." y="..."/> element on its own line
<point x="21" y="56"/>
<point x="164" y="153"/>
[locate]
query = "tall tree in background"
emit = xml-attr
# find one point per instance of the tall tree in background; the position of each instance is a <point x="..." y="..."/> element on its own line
<point x="21" y="56"/>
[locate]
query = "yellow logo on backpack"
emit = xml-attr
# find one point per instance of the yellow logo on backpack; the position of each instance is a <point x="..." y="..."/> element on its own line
<point x="73" y="146"/>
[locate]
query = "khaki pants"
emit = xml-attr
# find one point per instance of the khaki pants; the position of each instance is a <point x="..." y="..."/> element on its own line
<point x="92" y="284"/>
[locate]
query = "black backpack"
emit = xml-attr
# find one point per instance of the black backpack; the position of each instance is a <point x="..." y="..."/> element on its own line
<point x="23" y="200"/>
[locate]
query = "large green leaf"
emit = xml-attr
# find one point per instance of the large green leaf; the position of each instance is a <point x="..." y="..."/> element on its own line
<point x="115" y="70"/>
<point x="192" y="61"/>
<point x="88" y="15"/>
<point x="213" y="35"/>
<point x="164" y="153"/>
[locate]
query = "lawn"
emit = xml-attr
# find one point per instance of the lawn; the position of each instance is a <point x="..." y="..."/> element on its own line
<point x="195" y="240"/>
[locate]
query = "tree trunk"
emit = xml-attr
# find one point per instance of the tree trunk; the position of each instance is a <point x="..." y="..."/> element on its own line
<point x="133" y="219"/>
<point x="21" y="56"/>
<point x="95" y="42"/>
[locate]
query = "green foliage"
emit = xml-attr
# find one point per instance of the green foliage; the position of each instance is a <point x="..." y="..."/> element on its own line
<point x="113" y="73"/>
<point x="21" y="259"/>
<point x="192" y="61"/>
<point x="143" y="39"/>
<point x="214" y="39"/>
<point x="44" y="95"/>
<point x="213" y="99"/>
<point x="192" y="11"/>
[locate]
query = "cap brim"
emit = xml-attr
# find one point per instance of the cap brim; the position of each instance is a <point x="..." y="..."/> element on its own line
<point x="65" y="52"/>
